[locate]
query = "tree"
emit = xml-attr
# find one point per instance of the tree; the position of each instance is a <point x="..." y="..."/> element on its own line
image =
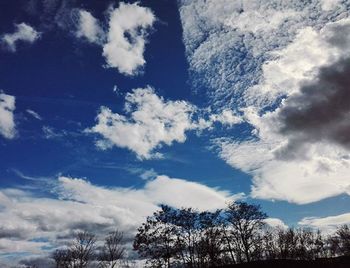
<point x="245" y="224"/>
<point x="156" y="239"/>
<point x="63" y="258"/>
<point x="211" y="239"/>
<point x="82" y="249"/>
<point x="340" y="241"/>
<point x="78" y="254"/>
<point x="112" y="251"/>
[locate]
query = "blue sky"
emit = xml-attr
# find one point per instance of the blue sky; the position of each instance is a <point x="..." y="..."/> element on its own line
<point x="116" y="107"/>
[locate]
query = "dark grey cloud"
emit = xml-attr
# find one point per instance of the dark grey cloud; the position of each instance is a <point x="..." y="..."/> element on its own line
<point x="321" y="111"/>
<point x="40" y="262"/>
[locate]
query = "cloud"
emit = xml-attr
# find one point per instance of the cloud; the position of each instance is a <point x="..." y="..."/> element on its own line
<point x="34" y="114"/>
<point x="320" y="111"/>
<point x="7" y="123"/>
<point x="303" y="140"/>
<point x="287" y="80"/>
<point x="126" y="37"/>
<point x="275" y="223"/>
<point x="227" y="43"/>
<point x="226" y="117"/>
<point x="124" y="42"/>
<point x="150" y="122"/>
<point x="75" y="204"/>
<point x="326" y="224"/>
<point x="89" y="28"/>
<point x="24" y="33"/>
<point x="329" y="5"/>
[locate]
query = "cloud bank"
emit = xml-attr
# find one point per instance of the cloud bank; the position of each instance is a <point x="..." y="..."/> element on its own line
<point x="34" y="224"/>
<point x="285" y="67"/>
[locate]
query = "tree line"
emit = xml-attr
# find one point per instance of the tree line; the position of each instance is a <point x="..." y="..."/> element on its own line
<point x="190" y="238"/>
<point x="85" y="251"/>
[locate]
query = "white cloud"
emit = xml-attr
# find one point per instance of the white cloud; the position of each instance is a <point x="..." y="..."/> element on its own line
<point x="293" y="167"/>
<point x="250" y="64"/>
<point x="148" y="174"/>
<point x="228" y="42"/>
<point x="26" y="217"/>
<point x="226" y="117"/>
<point x="89" y="28"/>
<point x="11" y="246"/>
<point x="326" y="224"/>
<point x="127" y="37"/>
<point x="124" y="42"/>
<point x="150" y="122"/>
<point x="256" y="21"/>
<point x="7" y="123"/>
<point x="185" y="194"/>
<point x="275" y="223"/>
<point x="34" y="114"/>
<point x="24" y="33"/>
<point x="329" y="5"/>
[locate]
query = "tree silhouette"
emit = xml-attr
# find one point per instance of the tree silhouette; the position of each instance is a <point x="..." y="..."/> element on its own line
<point x="112" y="251"/>
<point x="245" y="223"/>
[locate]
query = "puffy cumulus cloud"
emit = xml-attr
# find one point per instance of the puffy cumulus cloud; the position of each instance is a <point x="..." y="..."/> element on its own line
<point x="150" y="121"/>
<point x="77" y="204"/>
<point x="126" y="37"/>
<point x="23" y="33"/>
<point x="7" y="122"/>
<point x="326" y="224"/>
<point x="288" y="78"/>
<point x="124" y="42"/>
<point x="88" y="27"/>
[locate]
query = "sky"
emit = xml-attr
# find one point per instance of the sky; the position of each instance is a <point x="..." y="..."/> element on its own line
<point x="110" y="108"/>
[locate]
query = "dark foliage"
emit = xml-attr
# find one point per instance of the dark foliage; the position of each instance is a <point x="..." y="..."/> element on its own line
<point x="234" y="236"/>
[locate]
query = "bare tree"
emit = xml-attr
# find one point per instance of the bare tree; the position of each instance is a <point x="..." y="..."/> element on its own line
<point x="83" y="248"/>
<point x="112" y="251"/>
<point x="339" y="243"/>
<point x="246" y="222"/>
<point x="63" y="258"/>
<point x="156" y="238"/>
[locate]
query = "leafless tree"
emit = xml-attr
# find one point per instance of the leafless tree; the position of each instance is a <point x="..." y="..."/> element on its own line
<point x="112" y="251"/>
<point x="63" y="258"/>
<point x="82" y="249"/>
<point x="245" y="224"/>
